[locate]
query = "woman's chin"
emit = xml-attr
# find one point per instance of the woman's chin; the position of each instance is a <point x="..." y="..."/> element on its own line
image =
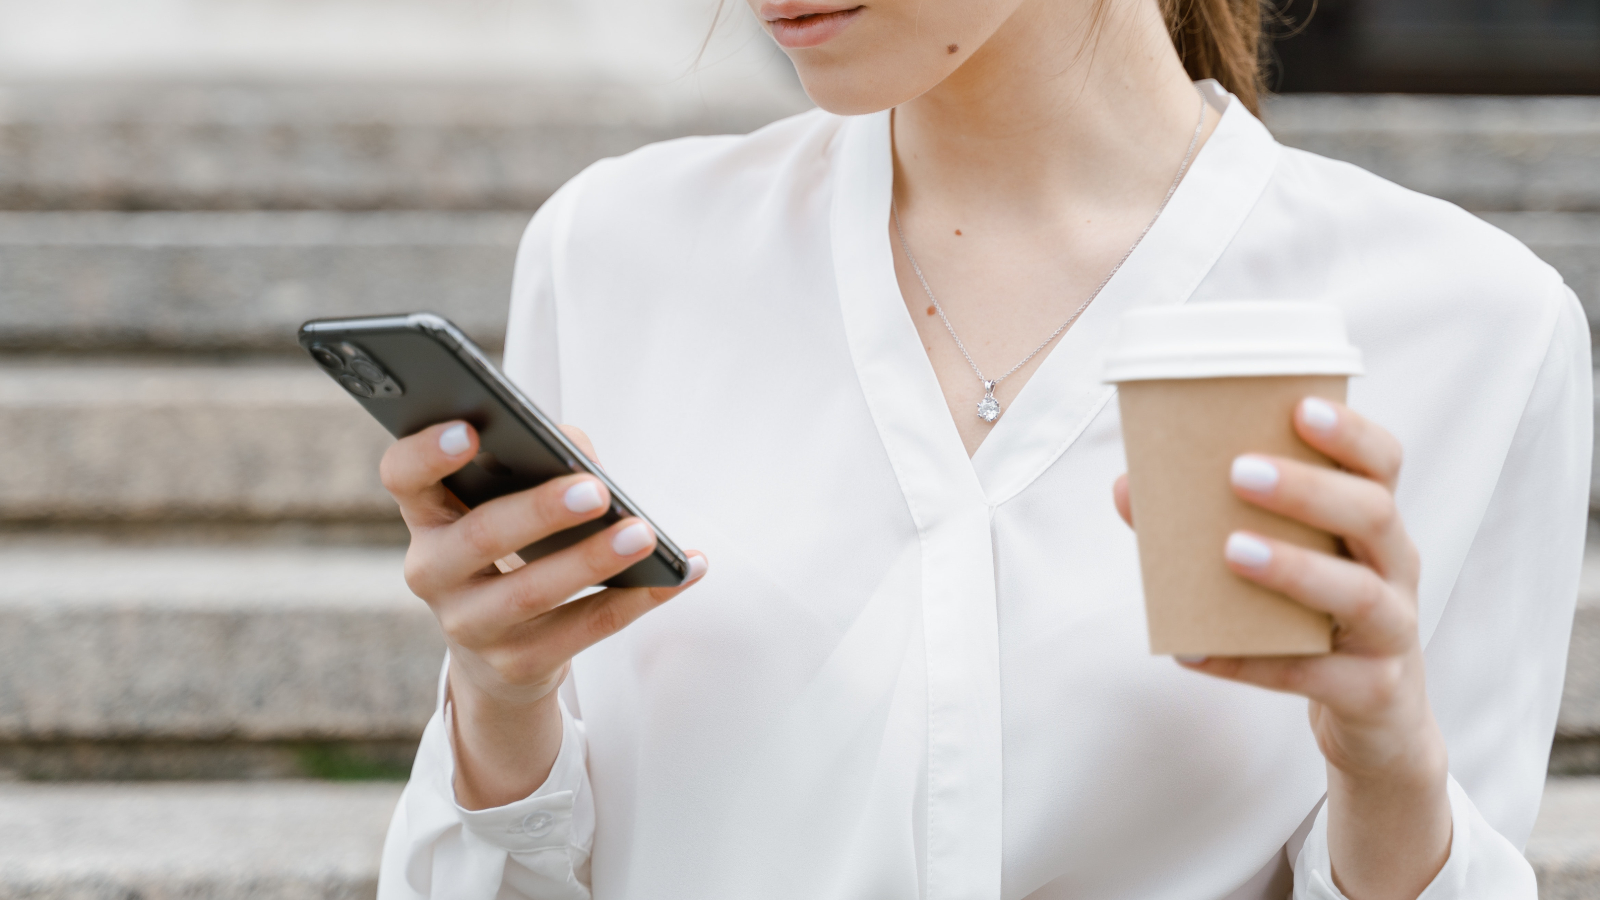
<point x="847" y="90"/>
<point x="848" y="103"/>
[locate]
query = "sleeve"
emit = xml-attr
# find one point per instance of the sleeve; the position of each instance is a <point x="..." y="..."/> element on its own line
<point x="538" y="847"/>
<point x="532" y="358"/>
<point x="1497" y="660"/>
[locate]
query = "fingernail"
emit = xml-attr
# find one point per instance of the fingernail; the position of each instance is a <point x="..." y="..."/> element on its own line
<point x="583" y="497"/>
<point x="1247" y="551"/>
<point x="632" y="539"/>
<point x="1254" y="474"/>
<point x="1189" y="660"/>
<point x="697" y="567"/>
<point x="1319" y="415"/>
<point x="454" y="440"/>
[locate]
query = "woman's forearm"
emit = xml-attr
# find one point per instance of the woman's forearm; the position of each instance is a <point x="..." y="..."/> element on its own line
<point x="1389" y="829"/>
<point x="503" y="752"/>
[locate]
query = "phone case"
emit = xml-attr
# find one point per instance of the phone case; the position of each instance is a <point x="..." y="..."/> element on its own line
<point x="415" y="370"/>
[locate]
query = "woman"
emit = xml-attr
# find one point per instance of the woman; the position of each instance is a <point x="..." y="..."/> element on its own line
<point x="920" y="667"/>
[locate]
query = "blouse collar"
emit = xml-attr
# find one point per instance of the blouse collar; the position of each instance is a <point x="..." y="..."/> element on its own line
<point x="1065" y="393"/>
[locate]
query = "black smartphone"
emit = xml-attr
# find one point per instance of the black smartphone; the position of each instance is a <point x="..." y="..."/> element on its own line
<point x="416" y="370"/>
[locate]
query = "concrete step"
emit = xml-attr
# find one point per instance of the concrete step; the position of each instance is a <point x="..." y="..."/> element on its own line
<point x="152" y="440"/>
<point x="293" y="840"/>
<point x="222" y="659"/>
<point x="305" y="840"/>
<point x="223" y="281"/>
<point x="125" y="146"/>
<point x="157" y="439"/>
<point x="175" y="146"/>
<point x="149" y="660"/>
<point x="1485" y="153"/>
<point x="216" y="281"/>
<point x="650" y="42"/>
<point x="1565" y="846"/>
<point x="1577" y="747"/>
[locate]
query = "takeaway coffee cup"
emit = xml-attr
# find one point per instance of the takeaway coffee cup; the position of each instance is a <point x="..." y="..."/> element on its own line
<point x="1200" y="384"/>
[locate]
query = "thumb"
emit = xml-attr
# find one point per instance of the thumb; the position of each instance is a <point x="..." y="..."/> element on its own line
<point x="577" y="436"/>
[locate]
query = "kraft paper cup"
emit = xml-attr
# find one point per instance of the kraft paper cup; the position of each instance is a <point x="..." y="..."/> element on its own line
<point x="1199" y="385"/>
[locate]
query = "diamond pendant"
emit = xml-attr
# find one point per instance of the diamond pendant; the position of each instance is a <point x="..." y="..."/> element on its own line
<point x="988" y="407"/>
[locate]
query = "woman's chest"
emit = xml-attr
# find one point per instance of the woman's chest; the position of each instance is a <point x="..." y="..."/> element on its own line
<point x="892" y="635"/>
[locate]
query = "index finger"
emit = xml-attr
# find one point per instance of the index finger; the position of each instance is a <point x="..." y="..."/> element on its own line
<point x="1350" y="439"/>
<point x="579" y="624"/>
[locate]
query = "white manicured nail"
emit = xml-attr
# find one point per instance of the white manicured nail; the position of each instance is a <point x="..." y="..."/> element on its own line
<point x="697" y="567"/>
<point x="632" y="539"/>
<point x="1247" y="551"/>
<point x="583" y="497"/>
<point x="454" y="440"/>
<point x="1189" y="660"/>
<point x="1254" y="474"/>
<point x="1318" y="414"/>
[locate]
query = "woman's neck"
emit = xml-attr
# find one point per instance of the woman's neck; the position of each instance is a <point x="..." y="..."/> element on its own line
<point x="1026" y="175"/>
<point x="1044" y="118"/>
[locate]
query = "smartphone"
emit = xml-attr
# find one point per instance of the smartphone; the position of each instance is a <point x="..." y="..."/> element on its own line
<point x="414" y="370"/>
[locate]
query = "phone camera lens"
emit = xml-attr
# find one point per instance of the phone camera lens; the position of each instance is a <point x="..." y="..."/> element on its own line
<point x="327" y="358"/>
<point x="368" y="371"/>
<point x="356" y="386"/>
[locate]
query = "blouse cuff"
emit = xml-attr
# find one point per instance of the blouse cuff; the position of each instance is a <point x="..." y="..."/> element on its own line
<point x="1482" y="863"/>
<point x="548" y="818"/>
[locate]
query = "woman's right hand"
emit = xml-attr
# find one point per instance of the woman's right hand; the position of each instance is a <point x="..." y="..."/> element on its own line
<point x="512" y="636"/>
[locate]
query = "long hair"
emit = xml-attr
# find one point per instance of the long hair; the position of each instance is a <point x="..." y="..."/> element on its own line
<point x="1220" y="39"/>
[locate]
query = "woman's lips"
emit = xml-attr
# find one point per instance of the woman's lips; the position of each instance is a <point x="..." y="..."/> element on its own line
<point x="810" y="29"/>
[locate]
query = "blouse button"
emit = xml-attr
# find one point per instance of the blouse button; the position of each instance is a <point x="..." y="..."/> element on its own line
<point x="535" y="824"/>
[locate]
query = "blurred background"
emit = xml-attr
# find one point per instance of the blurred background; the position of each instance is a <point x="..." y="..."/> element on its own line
<point x="212" y="676"/>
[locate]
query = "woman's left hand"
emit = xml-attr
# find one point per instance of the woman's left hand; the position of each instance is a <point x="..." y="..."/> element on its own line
<point x="1389" y="814"/>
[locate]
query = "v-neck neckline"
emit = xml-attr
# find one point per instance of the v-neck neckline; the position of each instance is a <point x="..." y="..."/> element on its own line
<point x="1065" y="393"/>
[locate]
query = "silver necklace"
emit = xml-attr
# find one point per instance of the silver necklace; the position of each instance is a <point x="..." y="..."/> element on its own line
<point x="989" y="407"/>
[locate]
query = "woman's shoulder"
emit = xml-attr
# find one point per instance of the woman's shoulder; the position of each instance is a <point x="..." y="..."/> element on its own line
<point x="689" y="173"/>
<point x="674" y="216"/>
<point x="1387" y="225"/>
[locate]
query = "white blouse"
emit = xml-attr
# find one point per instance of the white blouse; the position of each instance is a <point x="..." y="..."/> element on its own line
<point x="910" y="674"/>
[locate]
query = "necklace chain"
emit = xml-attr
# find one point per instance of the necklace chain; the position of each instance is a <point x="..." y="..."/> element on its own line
<point x="989" y="408"/>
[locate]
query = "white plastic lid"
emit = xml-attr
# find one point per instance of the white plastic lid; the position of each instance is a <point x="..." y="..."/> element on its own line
<point x="1231" y="339"/>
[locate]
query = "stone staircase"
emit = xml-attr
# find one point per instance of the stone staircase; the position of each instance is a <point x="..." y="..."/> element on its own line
<point x="210" y="668"/>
